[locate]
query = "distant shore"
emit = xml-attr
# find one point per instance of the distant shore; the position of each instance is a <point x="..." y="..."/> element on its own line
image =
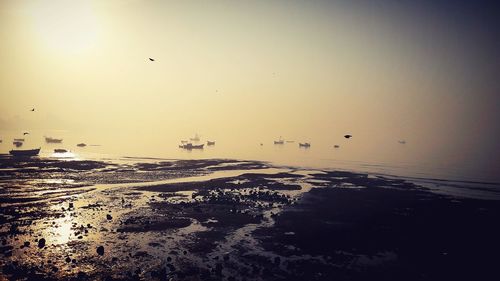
<point x="221" y="219"/>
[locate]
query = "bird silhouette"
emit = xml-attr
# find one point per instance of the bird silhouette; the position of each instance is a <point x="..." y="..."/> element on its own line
<point x="347" y="136"/>
<point x="32" y="109"/>
<point x="151" y="59"/>
<point x="26" y="133"/>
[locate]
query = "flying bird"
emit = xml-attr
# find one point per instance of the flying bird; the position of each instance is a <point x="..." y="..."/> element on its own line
<point x="348" y="136"/>
<point x="151" y="59"/>
<point x="26" y="133"/>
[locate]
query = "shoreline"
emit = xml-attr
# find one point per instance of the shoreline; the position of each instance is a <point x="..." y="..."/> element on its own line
<point x="281" y="225"/>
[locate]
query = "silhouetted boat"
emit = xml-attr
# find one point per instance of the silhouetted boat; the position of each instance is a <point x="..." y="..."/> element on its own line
<point x="306" y="144"/>
<point x="336" y="146"/>
<point x="26" y="153"/>
<point x="402" y="142"/>
<point x="210" y="142"/>
<point x="52" y="140"/>
<point x="17" y="143"/>
<point x="196" y="138"/>
<point x="190" y="146"/>
<point x="280" y="141"/>
<point x="81" y="145"/>
<point x="348" y="136"/>
<point x="60" y="150"/>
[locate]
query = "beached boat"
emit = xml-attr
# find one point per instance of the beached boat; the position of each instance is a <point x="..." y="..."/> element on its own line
<point x="306" y="144"/>
<point x="190" y="146"/>
<point x="60" y="150"/>
<point x="210" y="142"/>
<point x="25" y="153"/>
<point x="53" y="140"/>
<point x="280" y="141"/>
<point x="81" y="145"/>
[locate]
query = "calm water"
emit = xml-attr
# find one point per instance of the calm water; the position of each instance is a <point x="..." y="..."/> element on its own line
<point x="356" y="154"/>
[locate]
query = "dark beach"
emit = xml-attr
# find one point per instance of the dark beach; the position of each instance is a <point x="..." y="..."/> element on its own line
<point x="153" y="219"/>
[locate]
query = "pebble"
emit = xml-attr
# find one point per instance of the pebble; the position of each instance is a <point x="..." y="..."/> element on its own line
<point x="41" y="243"/>
<point x="100" y="250"/>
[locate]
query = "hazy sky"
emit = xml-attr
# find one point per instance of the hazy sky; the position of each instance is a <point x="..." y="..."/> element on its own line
<point x="386" y="70"/>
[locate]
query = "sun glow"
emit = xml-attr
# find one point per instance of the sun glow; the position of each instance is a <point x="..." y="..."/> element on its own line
<point x="66" y="26"/>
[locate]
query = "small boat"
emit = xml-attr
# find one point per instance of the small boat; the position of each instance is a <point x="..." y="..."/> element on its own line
<point x="53" y="140"/>
<point x="306" y="144"/>
<point x="280" y="141"/>
<point x="81" y="145"/>
<point x="25" y="153"/>
<point x="19" y="140"/>
<point x="190" y="146"/>
<point x="196" y="138"/>
<point x="210" y="142"/>
<point x="60" y="150"/>
<point x="290" y="141"/>
<point x="336" y="146"/>
<point x="402" y="142"/>
<point x="17" y="143"/>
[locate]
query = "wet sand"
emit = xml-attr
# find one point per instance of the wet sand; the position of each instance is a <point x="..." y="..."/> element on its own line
<point x="234" y="220"/>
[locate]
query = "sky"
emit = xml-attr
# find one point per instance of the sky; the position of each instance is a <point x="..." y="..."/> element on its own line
<point x="422" y="71"/>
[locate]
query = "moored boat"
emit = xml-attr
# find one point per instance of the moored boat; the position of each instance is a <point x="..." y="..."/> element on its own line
<point x="81" y="145"/>
<point x="280" y="141"/>
<point x="190" y="146"/>
<point x="210" y="142"/>
<point x="53" y="140"/>
<point x="306" y="144"/>
<point x="25" y="152"/>
<point x="60" y="150"/>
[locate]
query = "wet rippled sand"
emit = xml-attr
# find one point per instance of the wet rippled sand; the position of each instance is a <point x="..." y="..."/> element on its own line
<point x="232" y="220"/>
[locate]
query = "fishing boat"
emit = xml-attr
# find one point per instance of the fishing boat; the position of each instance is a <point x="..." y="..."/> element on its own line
<point x="280" y="141"/>
<point x="81" y="145"/>
<point x="25" y="153"/>
<point x="190" y="146"/>
<point x="306" y="144"/>
<point x="60" y="150"/>
<point x="53" y="140"/>
<point x="210" y="142"/>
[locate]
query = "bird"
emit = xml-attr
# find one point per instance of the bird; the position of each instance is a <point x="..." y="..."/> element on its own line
<point x="26" y="133"/>
<point x="348" y="136"/>
<point x="151" y="59"/>
<point x="32" y="109"/>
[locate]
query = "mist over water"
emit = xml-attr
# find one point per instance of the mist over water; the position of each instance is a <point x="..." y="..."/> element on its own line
<point x="361" y="153"/>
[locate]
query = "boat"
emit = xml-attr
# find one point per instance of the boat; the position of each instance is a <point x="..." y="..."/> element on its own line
<point x="60" y="150"/>
<point x="196" y="138"/>
<point x="336" y="146"/>
<point x="402" y="142"/>
<point x="53" y="140"/>
<point x="190" y="146"/>
<point x="17" y="143"/>
<point x="290" y="141"/>
<point x="26" y="152"/>
<point x="306" y="144"/>
<point x="280" y="141"/>
<point x="81" y="145"/>
<point x="21" y="140"/>
<point x="210" y="142"/>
